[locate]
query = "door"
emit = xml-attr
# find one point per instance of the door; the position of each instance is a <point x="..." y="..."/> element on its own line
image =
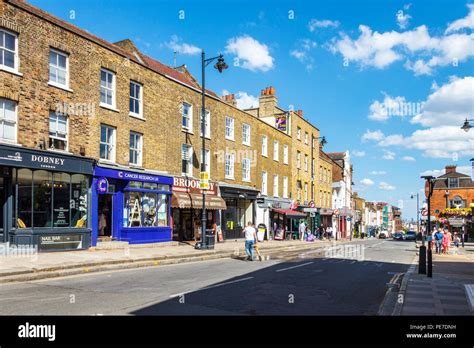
<point x="105" y="216"/>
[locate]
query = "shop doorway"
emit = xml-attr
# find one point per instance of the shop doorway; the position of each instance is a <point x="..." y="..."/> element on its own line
<point x="105" y="217"/>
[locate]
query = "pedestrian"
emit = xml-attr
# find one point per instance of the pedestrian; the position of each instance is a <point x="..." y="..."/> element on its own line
<point x="456" y="241"/>
<point x="446" y="241"/>
<point x="250" y="240"/>
<point x="329" y="231"/>
<point x="438" y="238"/>
<point x="302" y="230"/>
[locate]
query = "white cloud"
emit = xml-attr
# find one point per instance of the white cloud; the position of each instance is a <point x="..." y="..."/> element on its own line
<point x="392" y="106"/>
<point x="449" y="104"/>
<point x="388" y="155"/>
<point x="366" y="182"/>
<point x="357" y="153"/>
<point x="325" y="23"/>
<point x="379" y="50"/>
<point x="302" y="53"/>
<point x="434" y="86"/>
<point x="243" y="99"/>
<point x="466" y="22"/>
<point x="182" y="47"/>
<point x="375" y="172"/>
<point x="403" y="19"/>
<point x="409" y="158"/>
<point x="437" y="172"/>
<point x="392" y="140"/>
<point x="387" y="187"/>
<point x="252" y="54"/>
<point x="372" y="135"/>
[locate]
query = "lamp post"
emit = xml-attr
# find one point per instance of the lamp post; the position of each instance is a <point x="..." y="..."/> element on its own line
<point x="417" y="212"/>
<point x="220" y="66"/>
<point x="428" y="192"/>
<point x="466" y="125"/>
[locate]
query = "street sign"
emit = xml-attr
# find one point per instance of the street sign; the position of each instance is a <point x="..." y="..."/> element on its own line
<point x="348" y="218"/>
<point x="312" y="214"/>
<point x="336" y="211"/>
<point x="311" y="204"/>
<point x="204" y="183"/>
<point x="424" y="212"/>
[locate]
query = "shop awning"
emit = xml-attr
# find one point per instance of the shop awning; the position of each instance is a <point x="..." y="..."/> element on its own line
<point x="292" y="214"/>
<point x="194" y="200"/>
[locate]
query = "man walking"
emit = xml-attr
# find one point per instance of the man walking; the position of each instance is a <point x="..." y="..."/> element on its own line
<point x="302" y="230"/>
<point x="438" y="237"/>
<point x="250" y="240"/>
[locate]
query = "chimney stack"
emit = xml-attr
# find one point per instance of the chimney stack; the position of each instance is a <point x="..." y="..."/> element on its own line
<point x="268" y="102"/>
<point x="450" y="169"/>
<point x="230" y="98"/>
<point x="299" y="113"/>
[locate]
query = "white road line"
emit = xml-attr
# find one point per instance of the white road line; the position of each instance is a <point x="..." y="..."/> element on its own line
<point x="210" y="287"/>
<point x="353" y="262"/>
<point x="285" y="269"/>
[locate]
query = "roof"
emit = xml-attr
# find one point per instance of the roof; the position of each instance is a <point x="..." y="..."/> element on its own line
<point x="119" y="47"/>
<point x="453" y="175"/>
<point x="337" y="155"/>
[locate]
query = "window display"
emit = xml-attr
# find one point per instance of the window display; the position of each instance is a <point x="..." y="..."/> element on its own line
<point x="145" y="209"/>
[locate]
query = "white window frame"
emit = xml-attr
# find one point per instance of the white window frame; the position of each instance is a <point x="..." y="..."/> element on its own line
<point x="16" y="56"/>
<point x="3" y="120"/>
<point x="207" y="124"/>
<point x="276" y="150"/>
<point x="65" y="55"/>
<point x="246" y="169"/>
<point x="113" y="90"/>
<point x="456" y="180"/>
<point x="189" y="159"/>
<point x="246" y="135"/>
<point x="306" y="157"/>
<point x="298" y="133"/>
<point x="264" y="146"/>
<point x="285" y="187"/>
<point x="207" y="153"/>
<point x="139" y="99"/>
<point x="275" y="185"/>
<point x="66" y="139"/>
<point x="264" y="183"/>
<point x="298" y="159"/>
<point x="229" y="128"/>
<point x="139" y="149"/>
<point x="229" y="166"/>
<point x="189" y="116"/>
<point x="285" y="154"/>
<point x="306" y="191"/>
<point x="306" y="138"/>
<point x="112" y="146"/>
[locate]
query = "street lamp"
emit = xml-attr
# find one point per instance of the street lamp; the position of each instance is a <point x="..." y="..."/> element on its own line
<point x="466" y="125"/>
<point x="422" y="261"/>
<point x="220" y="66"/>
<point x="417" y="212"/>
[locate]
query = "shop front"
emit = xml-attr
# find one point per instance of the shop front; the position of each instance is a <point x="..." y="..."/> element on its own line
<point x="343" y="219"/>
<point x="240" y="208"/>
<point x="130" y="206"/>
<point x="44" y="196"/>
<point x="326" y="216"/>
<point x="186" y="208"/>
<point x="266" y="214"/>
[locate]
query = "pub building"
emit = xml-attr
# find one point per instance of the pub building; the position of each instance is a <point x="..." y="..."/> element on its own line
<point x="45" y="199"/>
<point x="186" y="208"/>
<point x="241" y="208"/>
<point x="130" y="205"/>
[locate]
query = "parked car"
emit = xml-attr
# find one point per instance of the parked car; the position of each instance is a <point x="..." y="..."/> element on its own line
<point x="398" y="236"/>
<point x="410" y="235"/>
<point x="383" y="234"/>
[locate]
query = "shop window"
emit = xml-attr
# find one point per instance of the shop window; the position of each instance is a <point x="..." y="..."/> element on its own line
<point x="150" y="186"/>
<point x="42" y="190"/>
<point x="145" y="209"/>
<point x="57" y="131"/>
<point x="61" y="212"/>
<point x="25" y="191"/>
<point x="8" y="117"/>
<point x="79" y="189"/>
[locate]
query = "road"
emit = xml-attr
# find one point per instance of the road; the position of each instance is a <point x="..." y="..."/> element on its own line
<point x="320" y="282"/>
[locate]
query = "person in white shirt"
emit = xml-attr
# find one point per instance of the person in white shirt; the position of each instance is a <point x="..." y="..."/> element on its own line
<point x="250" y="240"/>
<point x="302" y="229"/>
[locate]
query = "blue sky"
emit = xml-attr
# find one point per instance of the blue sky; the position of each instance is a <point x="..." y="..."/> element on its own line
<point x="390" y="81"/>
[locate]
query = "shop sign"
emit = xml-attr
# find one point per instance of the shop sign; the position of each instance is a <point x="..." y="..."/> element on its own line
<point x="132" y="176"/>
<point x="192" y="186"/>
<point x="260" y="200"/>
<point x="311" y="204"/>
<point x="102" y="185"/>
<point x="276" y="205"/>
<point x="280" y="123"/>
<point x="43" y="160"/>
<point x="310" y="210"/>
<point x="455" y="222"/>
<point x="60" y="242"/>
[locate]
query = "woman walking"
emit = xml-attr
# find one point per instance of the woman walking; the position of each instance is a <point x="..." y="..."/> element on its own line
<point x="446" y="241"/>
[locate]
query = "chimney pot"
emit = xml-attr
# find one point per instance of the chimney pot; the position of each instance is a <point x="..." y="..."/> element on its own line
<point x="450" y="169"/>
<point x="267" y="91"/>
<point x="272" y="90"/>
<point x="262" y="92"/>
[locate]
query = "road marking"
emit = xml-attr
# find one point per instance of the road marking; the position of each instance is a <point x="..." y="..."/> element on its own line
<point x="353" y="262"/>
<point x="285" y="269"/>
<point x="210" y="287"/>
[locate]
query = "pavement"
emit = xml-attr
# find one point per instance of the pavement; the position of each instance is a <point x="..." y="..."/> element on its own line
<point x="444" y="293"/>
<point x="112" y="255"/>
<point x="347" y="278"/>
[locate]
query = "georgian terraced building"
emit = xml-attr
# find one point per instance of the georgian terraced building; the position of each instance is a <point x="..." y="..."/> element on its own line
<point x="100" y="141"/>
